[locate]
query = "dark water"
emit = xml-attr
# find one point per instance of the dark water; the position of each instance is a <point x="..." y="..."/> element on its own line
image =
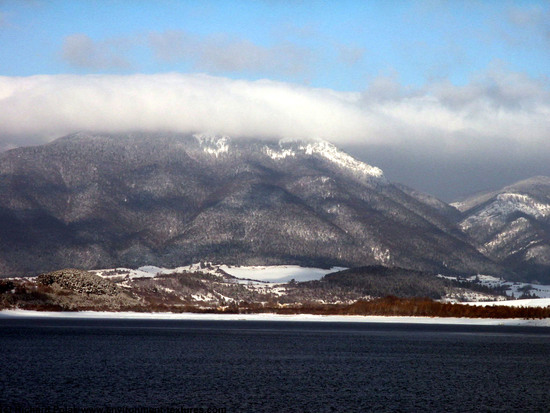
<point x="273" y="366"/>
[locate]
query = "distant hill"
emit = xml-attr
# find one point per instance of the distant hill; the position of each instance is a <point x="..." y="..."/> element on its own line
<point x="512" y="226"/>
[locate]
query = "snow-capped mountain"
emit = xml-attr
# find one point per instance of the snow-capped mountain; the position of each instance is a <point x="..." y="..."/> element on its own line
<point x="100" y="201"/>
<point x="512" y="225"/>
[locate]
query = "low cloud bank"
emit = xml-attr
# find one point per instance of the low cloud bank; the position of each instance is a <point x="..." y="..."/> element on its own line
<point x="498" y="109"/>
<point x="50" y="106"/>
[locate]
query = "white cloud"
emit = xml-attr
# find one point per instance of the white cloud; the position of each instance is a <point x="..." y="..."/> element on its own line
<point x="527" y="16"/>
<point x="223" y="53"/>
<point x="442" y="118"/>
<point x="82" y="51"/>
<point x="350" y="54"/>
<point x="55" y="105"/>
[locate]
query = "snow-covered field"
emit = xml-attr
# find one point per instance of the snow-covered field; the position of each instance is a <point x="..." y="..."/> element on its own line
<point x="278" y="273"/>
<point x="515" y="289"/>
<point x="276" y="317"/>
<point x="266" y="274"/>
<point x="286" y="273"/>
<point x="528" y="302"/>
<point x="272" y="278"/>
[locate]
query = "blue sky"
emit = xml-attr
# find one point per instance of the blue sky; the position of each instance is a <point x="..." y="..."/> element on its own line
<point x="340" y="45"/>
<point x="449" y="97"/>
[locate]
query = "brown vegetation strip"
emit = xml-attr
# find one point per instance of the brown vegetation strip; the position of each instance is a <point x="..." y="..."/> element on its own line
<point x="29" y="296"/>
<point x="387" y="306"/>
<point x="393" y="306"/>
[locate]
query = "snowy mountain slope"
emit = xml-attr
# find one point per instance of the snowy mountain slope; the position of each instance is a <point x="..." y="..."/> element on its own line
<point x="513" y="226"/>
<point x="104" y="201"/>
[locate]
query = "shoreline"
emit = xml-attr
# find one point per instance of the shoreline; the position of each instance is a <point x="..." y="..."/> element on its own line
<point x="15" y="314"/>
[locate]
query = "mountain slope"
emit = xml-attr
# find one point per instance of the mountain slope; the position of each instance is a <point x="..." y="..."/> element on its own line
<point x="92" y="201"/>
<point x="512" y="226"/>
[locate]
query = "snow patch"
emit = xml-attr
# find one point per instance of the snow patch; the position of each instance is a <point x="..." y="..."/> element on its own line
<point x="278" y="273"/>
<point x="276" y="155"/>
<point x="212" y="144"/>
<point x="382" y="255"/>
<point x="204" y="297"/>
<point x="142" y="272"/>
<point x="529" y="302"/>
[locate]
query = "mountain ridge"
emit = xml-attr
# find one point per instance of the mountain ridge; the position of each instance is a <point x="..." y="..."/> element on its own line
<point x="101" y="200"/>
<point x="512" y="225"/>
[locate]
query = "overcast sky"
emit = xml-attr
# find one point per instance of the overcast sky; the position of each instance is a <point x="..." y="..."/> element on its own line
<point x="446" y="97"/>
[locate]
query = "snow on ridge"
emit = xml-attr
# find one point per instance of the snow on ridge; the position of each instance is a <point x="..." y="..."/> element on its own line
<point x="524" y="203"/>
<point x="276" y="155"/>
<point x="216" y="145"/>
<point x="326" y="150"/>
<point x="505" y="204"/>
<point x="342" y="159"/>
<point x="212" y="144"/>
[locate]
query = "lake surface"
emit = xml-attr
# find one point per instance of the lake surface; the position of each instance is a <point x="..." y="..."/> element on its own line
<point x="272" y="366"/>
